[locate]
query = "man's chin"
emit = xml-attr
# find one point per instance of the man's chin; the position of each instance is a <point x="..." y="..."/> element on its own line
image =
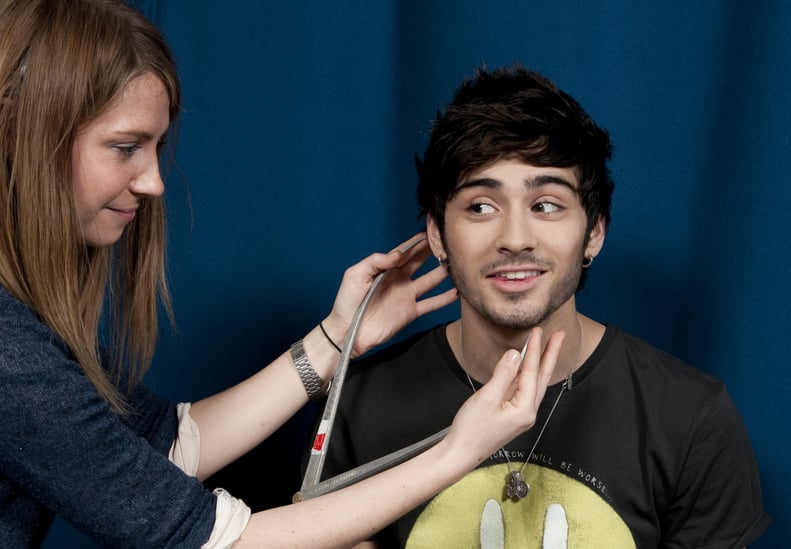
<point x="516" y="320"/>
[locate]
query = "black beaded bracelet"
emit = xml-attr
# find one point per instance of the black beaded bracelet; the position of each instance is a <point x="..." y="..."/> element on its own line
<point x="323" y="331"/>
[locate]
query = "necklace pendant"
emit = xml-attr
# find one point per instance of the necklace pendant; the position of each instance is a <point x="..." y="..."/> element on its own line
<point x="517" y="487"/>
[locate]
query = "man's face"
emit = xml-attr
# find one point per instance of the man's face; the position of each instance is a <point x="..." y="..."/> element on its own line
<point x="515" y="241"/>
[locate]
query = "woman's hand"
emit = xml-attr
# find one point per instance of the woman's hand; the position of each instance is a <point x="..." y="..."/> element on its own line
<point x="499" y="411"/>
<point x="508" y="403"/>
<point x="396" y="301"/>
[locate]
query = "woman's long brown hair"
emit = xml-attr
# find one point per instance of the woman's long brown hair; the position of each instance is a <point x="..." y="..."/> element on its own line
<point x="63" y="63"/>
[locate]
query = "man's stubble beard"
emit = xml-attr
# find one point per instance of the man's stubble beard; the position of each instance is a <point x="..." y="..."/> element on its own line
<point x="517" y="318"/>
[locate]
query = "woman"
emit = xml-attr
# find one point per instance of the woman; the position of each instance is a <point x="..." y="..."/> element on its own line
<point x="88" y="91"/>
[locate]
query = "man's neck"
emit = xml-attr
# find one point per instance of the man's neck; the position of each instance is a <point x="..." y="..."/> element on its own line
<point x="479" y="345"/>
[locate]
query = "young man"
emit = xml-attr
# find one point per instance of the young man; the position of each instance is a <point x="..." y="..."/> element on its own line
<point x="631" y="447"/>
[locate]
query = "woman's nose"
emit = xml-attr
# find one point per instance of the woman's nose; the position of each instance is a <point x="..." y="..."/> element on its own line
<point x="149" y="183"/>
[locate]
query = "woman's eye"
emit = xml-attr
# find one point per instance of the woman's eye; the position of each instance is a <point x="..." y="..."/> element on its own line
<point x="127" y="150"/>
<point x="481" y="208"/>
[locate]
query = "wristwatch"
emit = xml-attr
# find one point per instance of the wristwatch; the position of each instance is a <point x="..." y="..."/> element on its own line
<point x="314" y="385"/>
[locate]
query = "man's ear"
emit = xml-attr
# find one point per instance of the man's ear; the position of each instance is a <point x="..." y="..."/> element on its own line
<point x="435" y="239"/>
<point x="595" y="239"/>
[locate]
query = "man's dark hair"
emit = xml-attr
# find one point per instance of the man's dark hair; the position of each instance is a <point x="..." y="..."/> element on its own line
<point x="513" y="113"/>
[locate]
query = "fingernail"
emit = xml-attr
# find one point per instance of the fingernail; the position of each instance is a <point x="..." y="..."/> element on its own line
<point x="513" y="356"/>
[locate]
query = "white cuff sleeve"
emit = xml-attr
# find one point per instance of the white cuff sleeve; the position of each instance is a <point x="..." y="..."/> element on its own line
<point x="231" y="514"/>
<point x="231" y="519"/>
<point x="185" y="451"/>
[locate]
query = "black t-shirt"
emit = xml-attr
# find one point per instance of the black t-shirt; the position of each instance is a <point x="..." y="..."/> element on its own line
<point x="644" y="451"/>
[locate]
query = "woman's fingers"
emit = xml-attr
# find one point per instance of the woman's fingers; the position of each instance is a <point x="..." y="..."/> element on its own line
<point x="429" y="280"/>
<point x="412" y="252"/>
<point x="507" y="404"/>
<point x="503" y="376"/>
<point x="436" y="302"/>
<point x="530" y="376"/>
<point x="537" y="368"/>
<point x="397" y="301"/>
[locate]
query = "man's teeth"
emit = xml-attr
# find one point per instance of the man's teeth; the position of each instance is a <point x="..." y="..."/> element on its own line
<point x="518" y="275"/>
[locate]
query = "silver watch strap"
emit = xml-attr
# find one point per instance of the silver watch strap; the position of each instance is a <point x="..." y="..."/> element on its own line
<point x="313" y="384"/>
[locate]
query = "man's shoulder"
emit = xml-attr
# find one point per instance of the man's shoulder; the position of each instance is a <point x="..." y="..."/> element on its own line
<point x="414" y="371"/>
<point x="647" y="360"/>
<point x="404" y="358"/>
<point x="420" y="343"/>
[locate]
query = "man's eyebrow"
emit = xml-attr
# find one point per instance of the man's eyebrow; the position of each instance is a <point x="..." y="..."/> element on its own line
<point x="547" y="179"/>
<point x="530" y="183"/>
<point x="486" y="182"/>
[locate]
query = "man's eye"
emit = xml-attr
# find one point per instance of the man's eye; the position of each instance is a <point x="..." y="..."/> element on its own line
<point x="546" y="207"/>
<point x="481" y="208"/>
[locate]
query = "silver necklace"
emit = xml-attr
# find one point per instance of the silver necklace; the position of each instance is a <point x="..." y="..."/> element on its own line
<point x="516" y="487"/>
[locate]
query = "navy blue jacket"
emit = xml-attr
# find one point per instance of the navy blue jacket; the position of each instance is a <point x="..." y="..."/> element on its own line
<point x="64" y="452"/>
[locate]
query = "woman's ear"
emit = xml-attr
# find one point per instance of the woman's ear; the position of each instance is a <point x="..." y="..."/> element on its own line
<point x="435" y="239"/>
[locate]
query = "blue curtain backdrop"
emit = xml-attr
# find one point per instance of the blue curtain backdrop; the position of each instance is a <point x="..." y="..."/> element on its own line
<point x="295" y="159"/>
